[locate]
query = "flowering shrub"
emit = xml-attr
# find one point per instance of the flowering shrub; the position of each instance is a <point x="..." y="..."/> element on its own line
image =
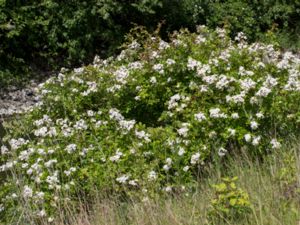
<point x="149" y="119"/>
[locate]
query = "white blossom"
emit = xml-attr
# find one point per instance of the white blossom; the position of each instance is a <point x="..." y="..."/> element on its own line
<point x="195" y="158"/>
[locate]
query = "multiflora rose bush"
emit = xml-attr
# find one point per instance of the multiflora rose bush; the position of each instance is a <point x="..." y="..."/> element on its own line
<point x="149" y="120"/>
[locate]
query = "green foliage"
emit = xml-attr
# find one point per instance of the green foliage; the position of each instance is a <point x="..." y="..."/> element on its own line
<point x="149" y="120"/>
<point x="49" y="33"/>
<point x="288" y="179"/>
<point x="230" y="202"/>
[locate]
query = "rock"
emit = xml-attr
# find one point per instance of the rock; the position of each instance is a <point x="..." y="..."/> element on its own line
<point x="17" y="100"/>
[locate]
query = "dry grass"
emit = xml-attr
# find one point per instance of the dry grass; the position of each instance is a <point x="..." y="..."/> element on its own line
<point x="273" y="201"/>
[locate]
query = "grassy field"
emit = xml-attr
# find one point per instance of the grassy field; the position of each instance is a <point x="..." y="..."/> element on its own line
<point x="272" y="185"/>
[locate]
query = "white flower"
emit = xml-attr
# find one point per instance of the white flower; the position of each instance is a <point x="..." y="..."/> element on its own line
<point x="153" y="80"/>
<point x="134" y="45"/>
<point x="4" y="150"/>
<point x="200" y="116"/>
<point x="71" y="148"/>
<point x="115" y="114"/>
<point x="181" y="151"/>
<point x="135" y="65"/>
<point x="142" y="135"/>
<point x="170" y="61"/>
<point x="200" y="39"/>
<point x="256" y="140"/>
<point x="275" y="144"/>
<point x="259" y="115"/>
<point x="270" y="82"/>
<point x="27" y="192"/>
<point x="240" y="98"/>
<point x="163" y="45"/>
<point x="41" y="213"/>
<point x="186" y="168"/>
<point x="121" y="74"/>
<point x="183" y="131"/>
<point x="122" y="179"/>
<point x="116" y="157"/>
<point x="253" y="125"/>
<point x="90" y="113"/>
<point x="133" y="182"/>
<point x="42" y="132"/>
<point x="235" y="116"/>
<point x="166" y="167"/>
<point x="159" y="68"/>
<point x="222" y="152"/>
<point x="173" y="101"/>
<point x="168" y="161"/>
<point x="1" y="208"/>
<point x="78" y="70"/>
<point x="152" y="175"/>
<point x="195" y="158"/>
<point x="168" y="189"/>
<point x="192" y="64"/>
<point x="216" y="113"/>
<point x="231" y="131"/>
<point x="126" y="125"/>
<point x="263" y="92"/>
<point x="247" y="137"/>
<point x="80" y="125"/>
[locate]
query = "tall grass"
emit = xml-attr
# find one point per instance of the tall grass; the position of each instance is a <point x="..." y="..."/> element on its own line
<point x="272" y="184"/>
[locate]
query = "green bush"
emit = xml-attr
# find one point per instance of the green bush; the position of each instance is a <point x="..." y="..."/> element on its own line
<point x="230" y="202"/>
<point x="48" y="34"/>
<point x="149" y="120"/>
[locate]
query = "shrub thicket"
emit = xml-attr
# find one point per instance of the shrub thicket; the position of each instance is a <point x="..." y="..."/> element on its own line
<point x="48" y="33"/>
<point x="149" y="120"/>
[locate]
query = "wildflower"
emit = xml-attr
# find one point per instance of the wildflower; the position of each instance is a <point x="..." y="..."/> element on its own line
<point x="216" y="113"/>
<point x="253" y="125"/>
<point x="222" y="152"/>
<point x="4" y="150"/>
<point x="247" y="137"/>
<point x="259" y="115"/>
<point x="169" y="161"/>
<point x="186" y="168"/>
<point x="152" y="175"/>
<point x="153" y="80"/>
<point x="168" y="189"/>
<point x="275" y="144"/>
<point x="263" y="92"/>
<point x="231" y="131"/>
<point x="183" y="131"/>
<point x="173" y="101"/>
<point x="166" y="167"/>
<point x="195" y="158"/>
<point x="256" y="140"/>
<point x="170" y="62"/>
<point x="27" y="192"/>
<point x="41" y="213"/>
<point x="122" y="179"/>
<point x="192" y="64"/>
<point x="133" y="182"/>
<point x="116" y="157"/>
<point x="200" y="116"/>
<point x="181" y="151"/>
<point x="159" y="68"/>
<point x="71" y="148"/>
<point x="235" y="116"/>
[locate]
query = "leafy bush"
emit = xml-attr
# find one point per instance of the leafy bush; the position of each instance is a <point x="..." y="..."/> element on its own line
<point x="149" y="120"/>
<point x="48" y="34"/>
<point x="230" y="201"/>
